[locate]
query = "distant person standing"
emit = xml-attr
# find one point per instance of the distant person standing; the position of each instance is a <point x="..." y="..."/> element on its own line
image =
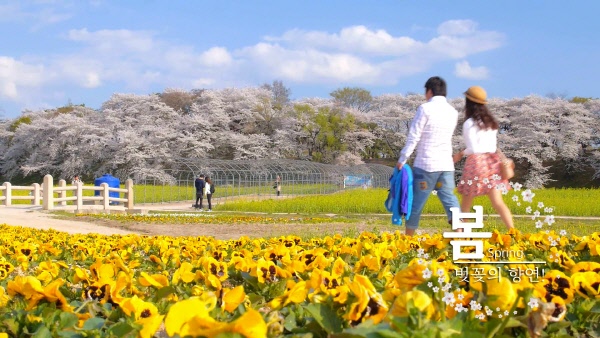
<point x="199" y="184"/>
<point x="430" y="134"/>
<point x="76" y="180"/>
<point x="278" y="185"/>
<point x="208" y="190"/>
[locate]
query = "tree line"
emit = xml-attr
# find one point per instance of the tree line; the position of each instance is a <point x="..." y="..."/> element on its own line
<point x="554" y="141"/>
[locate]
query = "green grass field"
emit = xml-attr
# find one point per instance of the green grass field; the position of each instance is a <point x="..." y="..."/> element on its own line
<point x="564" y="202"/>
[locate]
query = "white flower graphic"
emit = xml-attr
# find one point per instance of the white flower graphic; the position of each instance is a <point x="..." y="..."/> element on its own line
<point x="533" y="303"/>
<point x="527" y="195"/>
<point x="448" y="298"/>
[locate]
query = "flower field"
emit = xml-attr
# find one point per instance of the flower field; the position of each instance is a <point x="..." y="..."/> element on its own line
<point x="541" y="281"/>
<point x="54" y="284"/>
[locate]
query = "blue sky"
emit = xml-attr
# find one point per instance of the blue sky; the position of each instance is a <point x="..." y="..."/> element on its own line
<point x="53" y="52"/>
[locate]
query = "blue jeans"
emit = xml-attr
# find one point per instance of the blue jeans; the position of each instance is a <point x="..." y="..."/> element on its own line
<point x="424" y="182"/>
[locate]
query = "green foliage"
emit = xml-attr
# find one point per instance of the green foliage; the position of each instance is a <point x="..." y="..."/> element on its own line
<point x="356" y="98"/>
<point x="19" y="121"/>
<point x="46" y="320"/>
<point x="322" y="131"/>
<point x="579" y="99"/>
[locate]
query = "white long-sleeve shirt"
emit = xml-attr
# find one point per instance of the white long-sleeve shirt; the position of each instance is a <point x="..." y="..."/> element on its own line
<point x="477" y="140"/>
<point x="431" y="134"/>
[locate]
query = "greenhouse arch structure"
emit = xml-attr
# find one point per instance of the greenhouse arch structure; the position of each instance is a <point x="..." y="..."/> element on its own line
<point x="256" y="179"/>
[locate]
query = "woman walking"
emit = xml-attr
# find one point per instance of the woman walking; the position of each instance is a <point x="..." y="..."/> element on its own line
<point x="208" y="192"/>
<point x="481" y="172"/>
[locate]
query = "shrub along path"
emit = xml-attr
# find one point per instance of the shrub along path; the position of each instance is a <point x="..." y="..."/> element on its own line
<point x="34" y="217"/>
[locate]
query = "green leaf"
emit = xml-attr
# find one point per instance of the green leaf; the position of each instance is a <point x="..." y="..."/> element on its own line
<point x="250" y="280"/>
<point x="555" y="327"/>
<point x="255" y="298"/>
<point x="470" y="335"/>
<point x="348" y="335"/>
<point x="70" y="334"/>
<point x="368" y="330"/>
<point x="512" y="322"/>
<point x="93" y="323"/>
<point x="68" y="320"/>
<point x="120" y="329"/>
<point x="42" y="332"/>
<point x="290" y="322"/>
<point x="596" y="307"/>
<point x="387" y="333"/>
<point x="11" y="325"/>
<point x="326" y="317"/>
<point x="452" y="327"/>
<point x="277" y="289"/>
<point x="229" y="335"/>
<point x="164" y="292"/>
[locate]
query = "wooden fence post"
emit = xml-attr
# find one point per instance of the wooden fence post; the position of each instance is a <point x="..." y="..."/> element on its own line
<point x="62" y="193"/>
<point x="105" y="195"/>
<point x="7" y="194"/>
<point x="129" y="193"/>
<point x="79" y="194"/>
<point x="48" y="198"/>
<point x="36" y="194"/>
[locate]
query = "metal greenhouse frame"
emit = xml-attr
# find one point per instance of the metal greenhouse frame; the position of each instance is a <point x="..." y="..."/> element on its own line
<point x="254" y="179"/>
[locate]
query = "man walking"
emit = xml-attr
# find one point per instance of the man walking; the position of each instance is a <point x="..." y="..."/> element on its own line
<point x="199" y="184"/>
<point x="431" y="134"/>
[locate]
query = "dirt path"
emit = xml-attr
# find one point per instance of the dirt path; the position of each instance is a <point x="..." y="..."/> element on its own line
<point x="34" y="217"/>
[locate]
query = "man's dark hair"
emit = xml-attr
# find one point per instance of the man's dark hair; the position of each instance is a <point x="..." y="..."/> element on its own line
<point x="437" y="86"/>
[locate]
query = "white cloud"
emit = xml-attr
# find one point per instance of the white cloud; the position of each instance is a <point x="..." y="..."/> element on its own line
<point x="457" y="27"/>
<point x="364" y="56"/>
<point x="17" y="77"/>
<point x="114" y="41"/>
<point x="35" y="14"/>
<point x="92" y="80"/>
<point x="308" y="65"/>
<point x="139" y="60"/>
<point x="216" y="56"/>
<point x="354" y="39"/>
<point x="202" y="82"/>
<point x="464" y="70"/>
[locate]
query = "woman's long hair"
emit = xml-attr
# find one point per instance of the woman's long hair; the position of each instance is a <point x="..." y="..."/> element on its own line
<point x="480" y="114"/>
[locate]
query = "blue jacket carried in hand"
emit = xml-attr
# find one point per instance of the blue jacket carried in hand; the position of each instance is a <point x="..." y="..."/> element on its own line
<point x="400" y="196"/>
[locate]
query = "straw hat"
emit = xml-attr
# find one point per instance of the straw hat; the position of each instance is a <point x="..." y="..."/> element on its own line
<point x="476" y="94"/>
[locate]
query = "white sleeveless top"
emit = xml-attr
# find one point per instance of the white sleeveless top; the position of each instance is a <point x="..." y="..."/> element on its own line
<point x="207" y="188"/>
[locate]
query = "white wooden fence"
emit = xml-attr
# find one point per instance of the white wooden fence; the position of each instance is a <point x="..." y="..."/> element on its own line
<point x="56" y="197"/>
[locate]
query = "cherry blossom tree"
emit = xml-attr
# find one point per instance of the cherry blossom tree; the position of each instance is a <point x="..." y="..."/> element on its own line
<point x="141" y="136"/>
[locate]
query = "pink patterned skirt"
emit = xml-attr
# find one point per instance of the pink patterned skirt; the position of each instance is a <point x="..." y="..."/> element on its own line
<point x="481" y="174"/>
